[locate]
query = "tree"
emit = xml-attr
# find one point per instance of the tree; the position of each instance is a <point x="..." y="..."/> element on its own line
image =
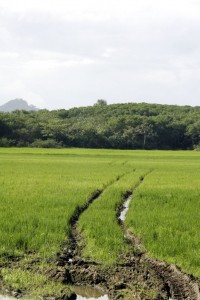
<point x="101" y="102"/>
<point x="122" y="126"/>
<point x="147" y="134"/>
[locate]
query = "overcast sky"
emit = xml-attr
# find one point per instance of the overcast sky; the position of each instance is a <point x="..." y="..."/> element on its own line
<point x="66" y="53"/>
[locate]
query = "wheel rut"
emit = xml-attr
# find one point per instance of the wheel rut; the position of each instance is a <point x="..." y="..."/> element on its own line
<point x="177" y="284"/>
<point x="139" y="277"/>
<point x="71" y="251"/>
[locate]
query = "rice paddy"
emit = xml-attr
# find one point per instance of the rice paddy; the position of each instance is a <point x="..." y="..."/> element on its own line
<point x="41" y="188"/>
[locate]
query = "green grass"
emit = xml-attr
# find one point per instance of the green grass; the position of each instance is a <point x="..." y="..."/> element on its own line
<point x="40" y="189"/>
<point x="33" y="283"/>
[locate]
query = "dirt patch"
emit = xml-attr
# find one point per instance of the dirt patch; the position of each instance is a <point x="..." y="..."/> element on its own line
<point x="131" y="280"/>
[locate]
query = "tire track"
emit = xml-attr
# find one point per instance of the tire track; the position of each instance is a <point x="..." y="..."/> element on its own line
<point x="128" y="280"/>
<point x="71" y="252"/>
<point x="178" y="285"/>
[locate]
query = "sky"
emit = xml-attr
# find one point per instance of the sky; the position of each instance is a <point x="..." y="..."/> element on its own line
<point x="69" y="53"/>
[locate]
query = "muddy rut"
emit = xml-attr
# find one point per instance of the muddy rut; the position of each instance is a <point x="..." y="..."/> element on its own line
<point x="178" y="285"/>
<point x="138" y="277"/>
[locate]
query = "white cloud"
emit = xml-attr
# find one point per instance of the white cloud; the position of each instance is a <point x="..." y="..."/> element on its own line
<point x="104" y="9"/>
<point x="109" y="52"/>
<point x="8" y="55"/>
<point x="112" y="49"/>
<point x="47" y="64"/>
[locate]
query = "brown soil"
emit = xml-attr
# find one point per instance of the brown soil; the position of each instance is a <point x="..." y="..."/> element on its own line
<point x="178" y="285"/>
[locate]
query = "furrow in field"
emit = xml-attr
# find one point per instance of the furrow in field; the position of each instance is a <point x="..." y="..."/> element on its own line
<point x="178" y="285"/>
<point x="71" y="253"/>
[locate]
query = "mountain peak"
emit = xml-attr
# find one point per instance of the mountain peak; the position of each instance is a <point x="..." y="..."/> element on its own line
<point x="17" y="104"/>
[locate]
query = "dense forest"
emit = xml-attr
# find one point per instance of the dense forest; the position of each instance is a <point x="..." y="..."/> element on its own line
<point x="118" y="126"/>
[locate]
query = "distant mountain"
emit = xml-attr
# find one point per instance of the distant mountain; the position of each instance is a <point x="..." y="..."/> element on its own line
<point x="17" y="104"/>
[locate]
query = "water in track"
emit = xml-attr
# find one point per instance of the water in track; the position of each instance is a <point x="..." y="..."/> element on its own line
<point x="2" y="297"/>
<point x="105" y="297"/>
<point x="85" y="295"/>
<point x="89" y="293"/>
<point x="6" y="297"/>
<point x="124" y="211"/>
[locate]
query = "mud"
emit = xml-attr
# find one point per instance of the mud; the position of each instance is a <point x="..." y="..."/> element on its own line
<point x="177" y="284"/>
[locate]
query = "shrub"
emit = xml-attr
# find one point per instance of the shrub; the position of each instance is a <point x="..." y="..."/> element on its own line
<point x="49" y="143"/>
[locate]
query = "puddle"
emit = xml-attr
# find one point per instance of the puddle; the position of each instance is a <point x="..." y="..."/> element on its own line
<point x="89" y="293"/>
<point x="125" y="208"/>
<point x="82" y="293"/>
<point x="105" y="297"/>
<point x="5" y="297"/>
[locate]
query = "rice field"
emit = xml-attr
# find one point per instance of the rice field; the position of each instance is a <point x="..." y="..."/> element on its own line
<point x="41" y="188"/>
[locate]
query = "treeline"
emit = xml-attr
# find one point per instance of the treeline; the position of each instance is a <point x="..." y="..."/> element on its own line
<point x="117" y="126"/>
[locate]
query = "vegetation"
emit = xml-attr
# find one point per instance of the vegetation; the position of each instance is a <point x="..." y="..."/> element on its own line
<point x="41" y="188"/>
<point x="116" y="126"/>
<point x="165" y="212"/>
<point x="36" y="283"/>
